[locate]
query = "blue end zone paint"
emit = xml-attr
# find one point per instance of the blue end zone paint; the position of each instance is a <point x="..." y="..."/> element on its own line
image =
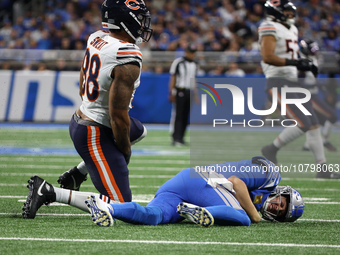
<point x="31" y="100"/>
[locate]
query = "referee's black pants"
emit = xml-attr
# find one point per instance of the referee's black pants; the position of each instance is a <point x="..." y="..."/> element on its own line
<point x="182" y="114"/>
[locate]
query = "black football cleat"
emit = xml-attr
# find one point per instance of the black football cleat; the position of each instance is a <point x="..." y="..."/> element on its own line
<point x="39" y="192"/>
<point x="327" y="175"/>
<point x="72" y="179"/>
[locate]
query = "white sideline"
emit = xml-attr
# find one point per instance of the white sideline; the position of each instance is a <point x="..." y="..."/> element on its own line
<point x="171" y="242"/>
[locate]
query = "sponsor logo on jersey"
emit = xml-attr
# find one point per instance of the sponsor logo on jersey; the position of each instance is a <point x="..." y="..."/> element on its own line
<point x="258" y="199"/>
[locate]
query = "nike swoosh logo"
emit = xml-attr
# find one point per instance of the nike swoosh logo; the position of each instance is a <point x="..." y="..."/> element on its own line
<point x="39" y="190"/>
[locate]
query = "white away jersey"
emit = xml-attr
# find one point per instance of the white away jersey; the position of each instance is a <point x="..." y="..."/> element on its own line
<point x="104" y="53"/>
<point x="287" y="46"/>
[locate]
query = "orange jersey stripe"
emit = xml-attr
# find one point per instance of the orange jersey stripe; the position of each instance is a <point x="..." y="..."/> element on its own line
<point x="267" y="28"/>
<point x="107" y="169"/>
<point x="91" y="149"/>
<point x="94" y="159"/>
<point x="130" y="53"/>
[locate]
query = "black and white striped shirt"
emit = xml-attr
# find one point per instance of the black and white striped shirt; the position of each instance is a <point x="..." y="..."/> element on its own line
<point x="185" y="70"/>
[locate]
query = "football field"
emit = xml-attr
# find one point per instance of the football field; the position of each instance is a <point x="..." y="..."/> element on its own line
<point x="47" y="151"/>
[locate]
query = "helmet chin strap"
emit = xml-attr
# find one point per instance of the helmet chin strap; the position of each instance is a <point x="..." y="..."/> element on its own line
<point x="290" y="21"/>
<point x="139" y="40"/>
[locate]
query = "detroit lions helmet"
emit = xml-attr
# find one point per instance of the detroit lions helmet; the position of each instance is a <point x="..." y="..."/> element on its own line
<point x="309" y="47"/>
<point x="275" y="8"/>
<point x="295" y="205"/>
<point x="130" y="15"/>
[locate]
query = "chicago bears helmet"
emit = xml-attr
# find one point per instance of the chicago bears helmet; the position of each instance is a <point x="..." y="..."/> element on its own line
<point x="295" y="205"/>
<point x="275" y="8"/>
<point x="131" y="15"/>
<point x="309" y="47"/>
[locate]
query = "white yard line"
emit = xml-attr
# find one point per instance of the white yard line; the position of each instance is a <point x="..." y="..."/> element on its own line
<point x="88" y="215"/>
<point x="170" y="242"/>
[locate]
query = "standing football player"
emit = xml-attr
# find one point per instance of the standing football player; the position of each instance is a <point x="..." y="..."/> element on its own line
<point x="278" y="38"/>
<point x="101" y="128"/>
<point x="203" y="195"/>
<point x="325" y="113"/>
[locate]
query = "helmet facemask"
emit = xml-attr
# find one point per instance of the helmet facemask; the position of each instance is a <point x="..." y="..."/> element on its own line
<point x="266" y="214"/>
<point x="134" y="19"/>
<point x="292" y="8"/>
<point x="295" y="205"/>
<point x="275" y="12"/>
<point x="144" y="33"/>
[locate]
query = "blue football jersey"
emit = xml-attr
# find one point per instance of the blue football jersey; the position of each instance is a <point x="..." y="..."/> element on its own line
<point x="259" y="174"/>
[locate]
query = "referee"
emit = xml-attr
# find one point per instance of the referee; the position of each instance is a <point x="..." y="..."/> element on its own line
<point x="182" y="82"/>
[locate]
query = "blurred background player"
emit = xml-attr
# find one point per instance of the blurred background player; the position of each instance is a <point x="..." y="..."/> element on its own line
<point x="101" y="128"/>
<point x="278" y="38"/>
<point x="326" y="114"/>
<point x="182" y="85"/>
<point x="203" y="195"/>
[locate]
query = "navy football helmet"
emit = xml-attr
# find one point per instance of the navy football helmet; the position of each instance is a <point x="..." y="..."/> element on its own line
<point x="295" y="205"/>
<point x="130" y="15"/>
<point x="309" y="47"/>
<point x="275" y="8"/>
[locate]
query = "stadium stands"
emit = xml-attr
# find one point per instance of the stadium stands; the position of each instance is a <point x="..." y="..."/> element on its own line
<point x="42" y="32"/>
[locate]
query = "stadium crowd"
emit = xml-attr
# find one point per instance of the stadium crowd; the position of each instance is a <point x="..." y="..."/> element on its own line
<point x="214" y="25"/>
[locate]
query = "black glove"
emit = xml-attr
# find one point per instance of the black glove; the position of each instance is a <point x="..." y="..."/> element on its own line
<point x="304" y="64"/>
<point x="315" y="70"/>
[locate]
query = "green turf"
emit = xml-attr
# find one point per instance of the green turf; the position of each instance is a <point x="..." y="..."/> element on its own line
<point x="67" y="230"/>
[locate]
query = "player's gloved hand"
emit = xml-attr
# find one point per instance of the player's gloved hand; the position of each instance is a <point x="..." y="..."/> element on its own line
<point x="315" y="70"/>
<point x="302" y="64"/>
